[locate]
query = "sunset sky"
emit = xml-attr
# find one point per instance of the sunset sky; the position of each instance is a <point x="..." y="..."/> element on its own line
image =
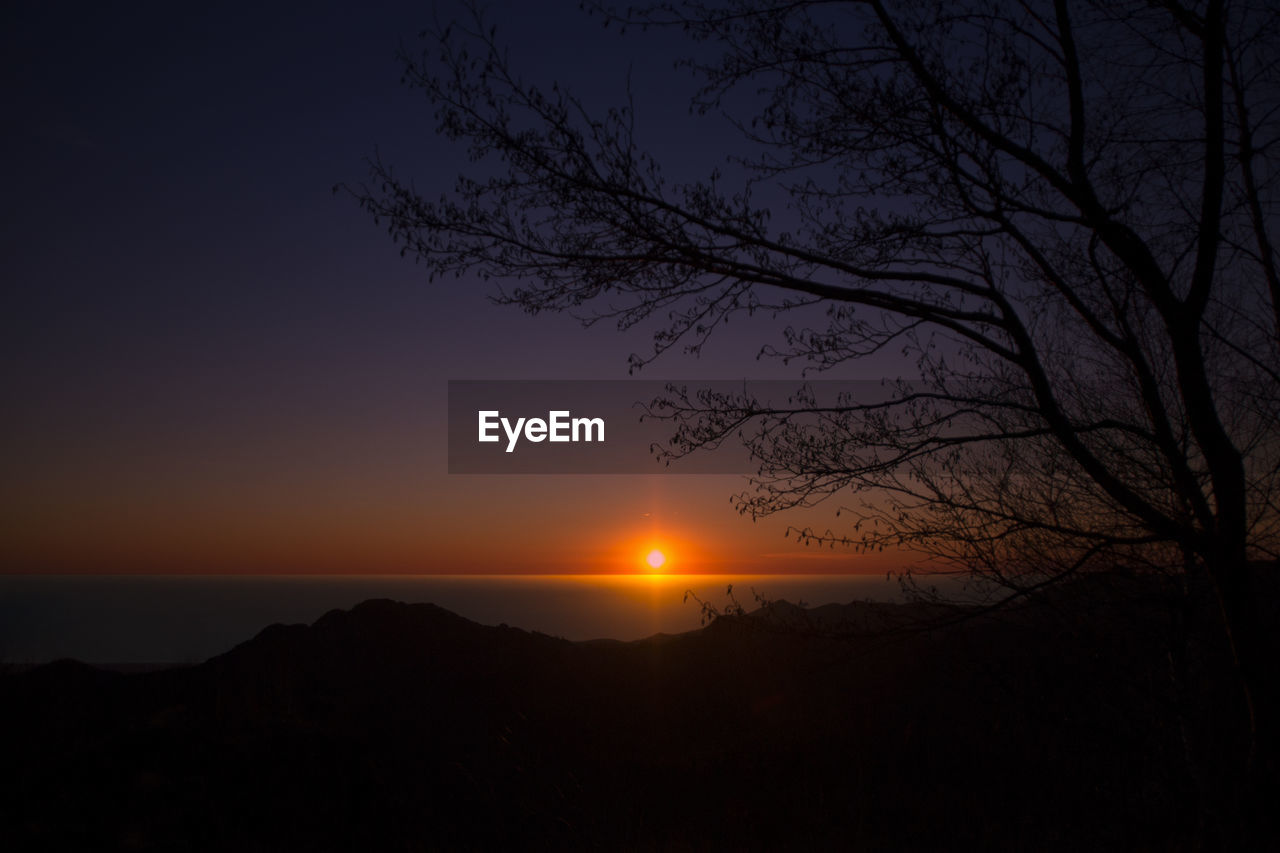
<point x="215" y="364"/>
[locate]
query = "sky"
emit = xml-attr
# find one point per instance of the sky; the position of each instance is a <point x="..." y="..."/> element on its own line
<point x="213" y="363"/>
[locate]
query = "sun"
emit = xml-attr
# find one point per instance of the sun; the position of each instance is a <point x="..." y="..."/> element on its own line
<point x="655" y="558"/>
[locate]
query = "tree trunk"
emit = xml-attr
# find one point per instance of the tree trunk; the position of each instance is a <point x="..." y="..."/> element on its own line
<point x="1251" y="770"/>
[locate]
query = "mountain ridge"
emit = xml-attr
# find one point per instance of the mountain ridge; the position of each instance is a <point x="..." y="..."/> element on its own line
<point x="406" y="726"/>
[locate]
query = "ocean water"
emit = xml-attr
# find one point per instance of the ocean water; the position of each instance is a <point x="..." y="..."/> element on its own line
<point x="187" y="619"/>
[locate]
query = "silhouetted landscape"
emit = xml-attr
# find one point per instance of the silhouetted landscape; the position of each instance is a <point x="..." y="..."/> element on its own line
<point x="1056" y="723"/>
<point x="314" y="306"/>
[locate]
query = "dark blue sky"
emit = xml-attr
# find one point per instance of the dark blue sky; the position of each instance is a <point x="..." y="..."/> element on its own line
<point x="213" y="362"/>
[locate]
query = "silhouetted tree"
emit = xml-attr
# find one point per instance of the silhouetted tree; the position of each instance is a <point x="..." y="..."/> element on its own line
<point x="1062" y="210"/>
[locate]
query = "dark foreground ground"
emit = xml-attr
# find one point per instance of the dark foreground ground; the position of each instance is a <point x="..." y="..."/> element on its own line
<point x="1063" y="724"/>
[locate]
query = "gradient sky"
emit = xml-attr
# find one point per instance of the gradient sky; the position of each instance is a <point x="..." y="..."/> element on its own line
<point x="214" y="364"/>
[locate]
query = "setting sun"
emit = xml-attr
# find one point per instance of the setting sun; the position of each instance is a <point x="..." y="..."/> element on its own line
<point x="655" y="559"/>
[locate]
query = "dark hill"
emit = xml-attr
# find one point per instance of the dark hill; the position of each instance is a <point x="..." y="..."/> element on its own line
<point x="405" y="727"/>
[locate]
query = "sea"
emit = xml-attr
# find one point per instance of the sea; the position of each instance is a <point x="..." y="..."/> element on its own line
<point x="171" y="619"/>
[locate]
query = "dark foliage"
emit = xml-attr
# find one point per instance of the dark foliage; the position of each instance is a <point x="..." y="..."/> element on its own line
<point x="1063" y="211"/>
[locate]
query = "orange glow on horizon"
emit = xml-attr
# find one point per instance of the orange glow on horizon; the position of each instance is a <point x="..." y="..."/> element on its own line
<point x="475" y="527"/>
